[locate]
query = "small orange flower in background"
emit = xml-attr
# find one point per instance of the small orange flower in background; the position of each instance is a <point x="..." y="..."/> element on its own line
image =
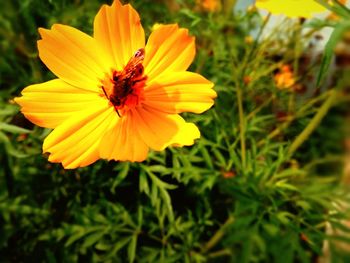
<point x="291" y="8"/>
<point x="209" y="5"/>
<point x="115" y="96"/>
<point x="284" y="79"/>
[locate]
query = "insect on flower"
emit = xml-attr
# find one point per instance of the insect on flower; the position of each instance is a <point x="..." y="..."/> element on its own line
<point x="126" y="81"/>
<point x="116" y="96"/>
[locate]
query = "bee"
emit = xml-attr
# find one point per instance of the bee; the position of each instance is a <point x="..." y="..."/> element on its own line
<point x="124" y="81"/>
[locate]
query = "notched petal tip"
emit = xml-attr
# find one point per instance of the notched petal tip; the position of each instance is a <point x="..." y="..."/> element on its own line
<point x="173" y="26"/>
<point x="17" y="100"/>
<point x="187" y="136"/>
<point x="159" y="130"/>
<point x="119" y="32"/>
<point x="116" y="3"/>
<point x="168" y="49"/>
<point x="71" y="55"/>
<point x="45" y="32"/>
<point x="42" y="31"/>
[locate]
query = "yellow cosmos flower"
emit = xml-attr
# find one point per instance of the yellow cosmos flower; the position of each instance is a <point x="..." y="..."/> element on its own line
<point x="115" y="96"/>
<point x="291" y="8"/>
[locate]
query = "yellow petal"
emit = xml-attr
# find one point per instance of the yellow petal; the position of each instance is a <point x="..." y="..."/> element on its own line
<point x="75" y="143"/>
<point x="73" y="56"/>
<point x="180" y="92"/>
<point x="186" y="135"/>
<point x="50" y="103"/>
<point x="168" y="49"/>
<point x="291" y="8"/>
<point x="123" y="142"/>
<point x="119" y="32"/>
<point x="159" y="130"/>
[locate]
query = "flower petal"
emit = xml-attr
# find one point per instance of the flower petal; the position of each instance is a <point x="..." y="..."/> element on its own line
<point x="291" y="8"/>
<point x="180" y="92"/>
<point x="50" y="103"/>
<point x="73" y="56"/>
<point x="159" y="130"/>
<point x="169" y="48"/>
<point x="75" y="143"/>
<point x="118" y="30"/>
<point x="123" y="142"/>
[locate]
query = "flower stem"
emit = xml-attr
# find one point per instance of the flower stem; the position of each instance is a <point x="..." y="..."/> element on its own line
<point x="220" y="253"/>
<point x="241" y="126"/>
<point x="313" y="124"/>
<point x="290" y="119"/>
<point x="218" y="235"/>
<point x="5" y="160"/>
<point x="259" y="108"/>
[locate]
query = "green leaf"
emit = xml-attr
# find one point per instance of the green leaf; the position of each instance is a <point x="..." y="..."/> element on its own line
<point x="121" y="176"/>
<point x="81" y="232"/>
<point x="158" y="169"/>
<point x="160" y="183"/>
<point x="12" y="128"/>
<point x="9" y="147"/>
<point x="132" y="248"/>
<point x="168" y="205"/>
<point x="143" y="183"/>
<point x="271" y="229"/>
<point x="284" y="217"/>
<point x="103" y="245"/>
<point x="336" y="35"/>
<point x="285" y="185"/>
<point x="78" y="235"/>
<point x="208" y="160"/>
<point x="93" y="238"/>
<point x="118" y="246"/>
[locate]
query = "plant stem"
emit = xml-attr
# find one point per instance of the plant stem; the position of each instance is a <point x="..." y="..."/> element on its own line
<point x="218" y="235"/>
<point x="313" y="124"/>
<point x="5" y="160"/>
<point x="241" y="126"/>
<point x="260" y="107"/>
<point x="277" y="131"/>
<point x="299" y="113"/>
<point x="220" y="253"/>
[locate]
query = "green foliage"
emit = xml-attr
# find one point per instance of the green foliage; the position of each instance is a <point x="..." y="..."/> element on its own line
<point x="335" y="38"/>
<point x="237" y="195"/>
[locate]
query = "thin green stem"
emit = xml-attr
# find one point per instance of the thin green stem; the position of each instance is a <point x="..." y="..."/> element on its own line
<point x="255" y="46"/>
<point x="258" y="109"/>
<point x="290" y="119"/>
<point x="297" y="52"/>
<point x="336" y="8"/>
<point x="327" y="159"/>
<point x="313" y="124"/>
<point x="277" y="131"/>
<point x="220" y="253"/>
<point x="241" y="126"/>
<point x="228" y="7"/>
<point x="218" y="235"/>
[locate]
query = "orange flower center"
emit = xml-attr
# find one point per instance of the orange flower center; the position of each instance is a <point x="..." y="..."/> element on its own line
<point x="124" y="89"/>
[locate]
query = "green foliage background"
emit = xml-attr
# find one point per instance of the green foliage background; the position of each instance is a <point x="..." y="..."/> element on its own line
<point x="240" y="194"/>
